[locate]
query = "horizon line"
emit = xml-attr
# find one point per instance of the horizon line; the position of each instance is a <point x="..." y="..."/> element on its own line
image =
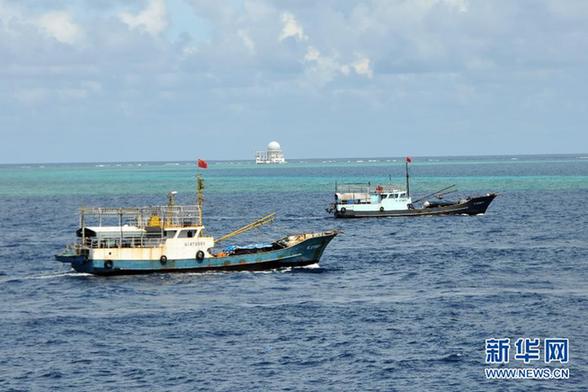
<point x="297" y="159"/>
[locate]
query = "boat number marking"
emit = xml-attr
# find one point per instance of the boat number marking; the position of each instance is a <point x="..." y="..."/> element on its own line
<point x="312" y="247"/>
<point x="194" y="243"/>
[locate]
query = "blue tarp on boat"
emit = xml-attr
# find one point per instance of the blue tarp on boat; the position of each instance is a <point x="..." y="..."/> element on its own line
<point x="232" y="248"/>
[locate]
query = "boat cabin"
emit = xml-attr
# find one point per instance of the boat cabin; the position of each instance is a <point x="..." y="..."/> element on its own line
<point x="143" y="227"/>
<point x="367" y="197"/>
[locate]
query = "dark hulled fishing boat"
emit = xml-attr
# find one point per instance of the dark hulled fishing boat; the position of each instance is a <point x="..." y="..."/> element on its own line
<point x="366" y="200"/>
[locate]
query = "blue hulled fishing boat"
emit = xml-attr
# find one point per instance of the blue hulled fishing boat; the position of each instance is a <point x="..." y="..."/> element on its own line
<point x="291" y="251"/>
<point x="171" y="238"/>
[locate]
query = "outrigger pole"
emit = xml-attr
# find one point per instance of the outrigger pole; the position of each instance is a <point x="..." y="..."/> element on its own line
<point x="439" y="192"/>
<point x="260" y="222"/>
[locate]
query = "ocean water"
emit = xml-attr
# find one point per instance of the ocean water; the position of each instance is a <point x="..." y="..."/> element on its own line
<point x="396" y="303"/>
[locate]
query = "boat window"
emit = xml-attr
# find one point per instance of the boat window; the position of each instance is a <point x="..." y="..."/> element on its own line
<point x="403" y="194"/>
<point x="170" y="233"/>
<point x="186" y="234"/>
<point x="384" y="196"/>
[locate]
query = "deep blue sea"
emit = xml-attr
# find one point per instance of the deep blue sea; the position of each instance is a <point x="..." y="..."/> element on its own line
<point x="397" y="304"/>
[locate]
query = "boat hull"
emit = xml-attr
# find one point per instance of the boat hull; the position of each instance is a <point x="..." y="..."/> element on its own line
<point x="301" y="254"/>
<point x="473" y="206"/>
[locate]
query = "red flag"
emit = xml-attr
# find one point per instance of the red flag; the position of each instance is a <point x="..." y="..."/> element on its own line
<point x="202" y="163"/>
<point x="408" y="160"/>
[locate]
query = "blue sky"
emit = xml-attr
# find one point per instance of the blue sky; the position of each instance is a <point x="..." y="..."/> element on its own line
<point x="107" y="80"/>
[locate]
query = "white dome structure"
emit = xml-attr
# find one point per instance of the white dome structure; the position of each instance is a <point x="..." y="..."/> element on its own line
<point x="273" y="154"/>
<point x="274" y="146"/>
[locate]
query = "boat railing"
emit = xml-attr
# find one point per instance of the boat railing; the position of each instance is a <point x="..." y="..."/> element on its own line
<point x="142" y="217"/>
<point x="367" y="188"/>
<point x="363" y="192"/>
<point x="112" y="243"/>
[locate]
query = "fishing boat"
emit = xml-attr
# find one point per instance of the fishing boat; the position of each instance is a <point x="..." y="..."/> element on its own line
<point x="385" y="200"/>
<point x="172" y="238"/>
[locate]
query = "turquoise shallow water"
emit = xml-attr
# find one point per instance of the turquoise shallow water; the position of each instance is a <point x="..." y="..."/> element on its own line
<point x="397" y="304"/>
<point x="428" y="174"/>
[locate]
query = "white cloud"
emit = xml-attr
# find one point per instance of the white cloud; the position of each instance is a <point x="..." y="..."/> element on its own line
<point x="329" y="67"/>
<point x="307" y="53"/>
<point x="153" y="19"/>
<point x="362" y="67"/>
<point x="8" y="12"/>
<point x="570" y="9"/>
<point x="75" y="91"/>
<point x="324" y="69"/>
<point x="291" y="28"/>
<point x="320" y="69"/>
<point x="247" y="41"/>
<point x="31" y="96"/>
<point x="188" y="51"/>
<point x="459" y="5"/>
<point x="312" y="54"/>
<point x="59" y="25"/>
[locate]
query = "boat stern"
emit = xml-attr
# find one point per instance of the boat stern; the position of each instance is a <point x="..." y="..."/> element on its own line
<point x="78" y="261"/>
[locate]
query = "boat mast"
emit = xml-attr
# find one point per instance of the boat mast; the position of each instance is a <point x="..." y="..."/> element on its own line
<point x="82" y="225"/>
<point x="200" y="197"/>
<point x="171" y="202"/>
<point x="407" y="161"/>
<point x="200" y="164"/>
<point x="120" y="224"/>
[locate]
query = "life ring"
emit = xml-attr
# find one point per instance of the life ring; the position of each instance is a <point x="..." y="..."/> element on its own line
<point x="163" y="260"/>
<point x="108" y="264"/>
<point x="381" y="209"/>
<point x="343" y="210"/>
<point x="200" y="255"/>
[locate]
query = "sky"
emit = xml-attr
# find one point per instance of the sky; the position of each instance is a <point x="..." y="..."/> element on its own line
<point x="140" y="80"/>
